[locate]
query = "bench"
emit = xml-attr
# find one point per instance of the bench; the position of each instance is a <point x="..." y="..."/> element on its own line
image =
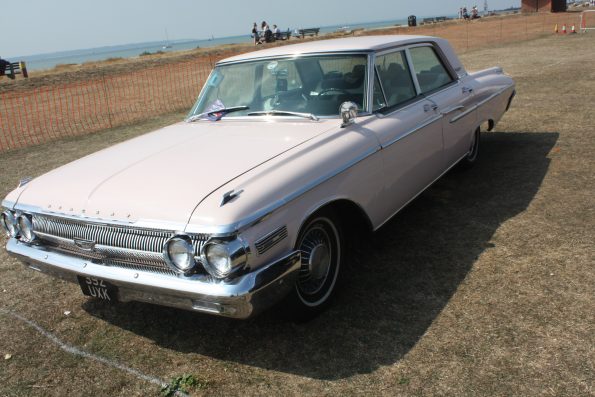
<point x="282" y="35"/>
<point x="11" y="69"/>
<point x="308" y="32"/>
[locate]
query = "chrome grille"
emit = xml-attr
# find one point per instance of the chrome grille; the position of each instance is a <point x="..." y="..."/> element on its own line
<point x="113" y="245"/>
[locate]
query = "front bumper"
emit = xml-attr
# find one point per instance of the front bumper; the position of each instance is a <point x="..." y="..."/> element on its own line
<point x="242" y="297"/>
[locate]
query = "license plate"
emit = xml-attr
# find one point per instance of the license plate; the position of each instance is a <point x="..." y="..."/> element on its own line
<point x="98" y="288"/>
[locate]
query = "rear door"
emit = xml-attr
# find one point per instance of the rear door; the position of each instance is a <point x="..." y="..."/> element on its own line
<point x="454" y="100"/>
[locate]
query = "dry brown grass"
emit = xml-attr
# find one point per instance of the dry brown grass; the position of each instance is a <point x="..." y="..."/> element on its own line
<point x="484" y="286"/>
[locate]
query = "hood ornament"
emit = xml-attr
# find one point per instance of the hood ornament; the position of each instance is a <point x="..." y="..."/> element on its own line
<point x="229" y="196"/>
<point x="25" y="180"/>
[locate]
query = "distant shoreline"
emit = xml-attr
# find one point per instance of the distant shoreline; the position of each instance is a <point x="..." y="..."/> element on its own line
<point x="47" y="61"/>
<point x="65" y="74"/>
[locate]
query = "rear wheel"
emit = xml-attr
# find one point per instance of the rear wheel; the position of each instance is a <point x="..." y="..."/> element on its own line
<point x="320" y="243"/>
<point x="473" y="154"/>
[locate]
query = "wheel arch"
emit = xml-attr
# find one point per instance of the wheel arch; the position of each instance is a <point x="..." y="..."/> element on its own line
<point x="351" y="215"/>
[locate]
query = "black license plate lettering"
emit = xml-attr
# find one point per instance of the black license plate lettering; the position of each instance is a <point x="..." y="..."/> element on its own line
<point x="98" y="288"/>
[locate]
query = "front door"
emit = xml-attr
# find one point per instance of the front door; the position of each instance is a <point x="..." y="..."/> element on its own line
<point x="409" y="130"/>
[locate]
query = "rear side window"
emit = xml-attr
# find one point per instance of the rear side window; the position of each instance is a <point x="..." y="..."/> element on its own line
<point x="393" y="72"/>
<point x="431" y="73"/>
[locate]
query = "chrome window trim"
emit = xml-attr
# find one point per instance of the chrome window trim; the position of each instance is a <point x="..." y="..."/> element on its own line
<point x="440" y="54"/>
<point x="412" y="73"/>
<point x="279" y="118"/>
<point x="439" y="90"/>
<point x="367" y="94"/>
<point x="370" y="83"/>
<point x="377" y="77"/>
<point x="410" y="102"/>
<point x="288" y="56"/>
<point x="447" y="66"/>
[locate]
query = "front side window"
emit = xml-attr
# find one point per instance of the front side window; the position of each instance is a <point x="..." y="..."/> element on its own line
<point x="308" y="84"/>
<point x="393" y="72"/>
<point x="431" y="73"/>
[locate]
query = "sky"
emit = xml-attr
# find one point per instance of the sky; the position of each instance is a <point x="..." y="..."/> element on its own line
<point x="43" y="26"/>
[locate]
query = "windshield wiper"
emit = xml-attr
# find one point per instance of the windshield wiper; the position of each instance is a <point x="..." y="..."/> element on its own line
<point x="217" y="113"/>
<point x="284" y="113"/>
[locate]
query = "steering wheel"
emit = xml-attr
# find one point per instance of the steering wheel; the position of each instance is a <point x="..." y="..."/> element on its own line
<point x="333" y="91"/>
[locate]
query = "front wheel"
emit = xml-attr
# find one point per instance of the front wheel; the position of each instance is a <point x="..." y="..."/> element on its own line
<point x="320" y="243"/>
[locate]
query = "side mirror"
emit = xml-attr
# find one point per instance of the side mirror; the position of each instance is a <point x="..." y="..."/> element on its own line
<point x="348" y="113"/>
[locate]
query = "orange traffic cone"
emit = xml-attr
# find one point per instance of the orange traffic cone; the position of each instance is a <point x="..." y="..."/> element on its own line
<point x="556" y="28"/>
<point x="564" y="29"/>
<point x="572" y="30"/>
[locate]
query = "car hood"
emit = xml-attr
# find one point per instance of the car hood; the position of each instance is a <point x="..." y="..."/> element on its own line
<point x="164" y="175"/>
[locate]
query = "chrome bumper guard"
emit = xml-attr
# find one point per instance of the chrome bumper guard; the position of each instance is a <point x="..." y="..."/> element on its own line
<point x="242" y="297"/>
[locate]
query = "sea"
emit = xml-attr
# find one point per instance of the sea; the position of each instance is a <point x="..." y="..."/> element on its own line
<point x="50" y="60"/>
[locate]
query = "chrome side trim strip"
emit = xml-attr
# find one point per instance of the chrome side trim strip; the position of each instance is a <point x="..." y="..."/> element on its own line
<point x="453" y="109"/>
<point x="478" y="104"/>
<point x="259" y="216"/>
<point x="494" y="95"/>
<point x="463" y="114"/>
<point x="412" y="131"/>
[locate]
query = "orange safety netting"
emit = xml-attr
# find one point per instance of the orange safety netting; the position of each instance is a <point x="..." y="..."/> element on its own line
<point x="37" y="115"/>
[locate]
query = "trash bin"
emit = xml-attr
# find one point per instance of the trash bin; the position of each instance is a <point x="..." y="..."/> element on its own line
<point x="412" y="20"/>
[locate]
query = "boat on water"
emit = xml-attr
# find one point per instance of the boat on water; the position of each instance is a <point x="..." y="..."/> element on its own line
<point x="167" y="43"/>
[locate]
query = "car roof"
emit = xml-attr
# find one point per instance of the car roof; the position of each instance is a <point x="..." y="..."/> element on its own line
<point x="355" y="44"/>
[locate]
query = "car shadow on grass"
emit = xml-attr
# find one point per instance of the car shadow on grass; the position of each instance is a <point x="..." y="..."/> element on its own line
<point x="400" y="279"/>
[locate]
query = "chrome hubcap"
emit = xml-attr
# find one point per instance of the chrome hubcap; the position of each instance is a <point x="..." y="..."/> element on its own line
<point x="316" y="260"/>
<point x="320" y="260"/>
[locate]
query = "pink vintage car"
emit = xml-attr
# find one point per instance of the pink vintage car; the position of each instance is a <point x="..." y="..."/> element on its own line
<point x="249" y="200"/>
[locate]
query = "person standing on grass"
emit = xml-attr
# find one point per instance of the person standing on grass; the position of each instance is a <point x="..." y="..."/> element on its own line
<point x="255" y="34"/>
<point x="4" y="65"/>
<point x="276" y="32"/>
<point x="266" y="31"/>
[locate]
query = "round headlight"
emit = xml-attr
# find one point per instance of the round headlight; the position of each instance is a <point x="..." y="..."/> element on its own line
<point x="9" y="224"/>
<point x="26" y="228"/>
<point x="218" y="260"/>
<point x="179" y="254"/>
<point x="221" y="258"/>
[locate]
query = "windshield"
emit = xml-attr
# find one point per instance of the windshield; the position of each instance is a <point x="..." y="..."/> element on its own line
<point x="315" y="85"/>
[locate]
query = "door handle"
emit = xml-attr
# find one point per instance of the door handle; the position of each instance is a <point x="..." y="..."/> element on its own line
<point x="453" y="109"/>
<point x="467" y="90"/>
<point x="428" y="107"/>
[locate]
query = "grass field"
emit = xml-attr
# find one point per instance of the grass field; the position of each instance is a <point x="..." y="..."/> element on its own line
<point x="483" y="286"/>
